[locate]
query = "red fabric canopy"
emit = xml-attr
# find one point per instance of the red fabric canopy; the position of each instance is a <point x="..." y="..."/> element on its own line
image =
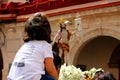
<point x="13" y="9"/>
<point x="37" y="5"/>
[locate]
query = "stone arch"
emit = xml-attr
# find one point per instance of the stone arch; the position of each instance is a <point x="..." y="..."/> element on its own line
<point x="115" y="58"/>
<point x="88" y="36"/>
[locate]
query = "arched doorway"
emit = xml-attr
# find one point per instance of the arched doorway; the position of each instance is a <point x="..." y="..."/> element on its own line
<point x="97" y="53"/>
<point x="115" y="59"/>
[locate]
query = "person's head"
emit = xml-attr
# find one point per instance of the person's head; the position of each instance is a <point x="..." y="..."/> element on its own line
<point x="37" y="28"/>
<point x="62" y="26"/>
<point x="106" y="76"/>
<point x="97" y="74"/>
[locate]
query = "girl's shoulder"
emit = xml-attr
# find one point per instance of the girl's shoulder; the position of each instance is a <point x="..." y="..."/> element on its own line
<point x="39" y="42"/>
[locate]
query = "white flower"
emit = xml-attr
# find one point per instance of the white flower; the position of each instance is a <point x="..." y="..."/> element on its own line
<point x="70" y="72"/>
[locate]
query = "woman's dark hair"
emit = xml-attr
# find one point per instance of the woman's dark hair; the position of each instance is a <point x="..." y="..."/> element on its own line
<point x="57" y="60"/>
<point x="37" y="28"/>
<point x="106" y="76"/>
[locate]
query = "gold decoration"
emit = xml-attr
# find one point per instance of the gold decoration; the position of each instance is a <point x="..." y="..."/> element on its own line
<point x="61" y="20"/>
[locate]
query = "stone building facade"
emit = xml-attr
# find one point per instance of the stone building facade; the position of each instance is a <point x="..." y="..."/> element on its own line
<point x="94" y="44"/>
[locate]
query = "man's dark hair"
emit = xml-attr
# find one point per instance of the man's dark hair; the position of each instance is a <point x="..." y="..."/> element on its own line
<point x="106" y="76"/>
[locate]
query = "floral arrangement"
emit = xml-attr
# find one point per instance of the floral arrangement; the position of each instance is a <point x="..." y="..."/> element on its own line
<point x="70" y="72"/>
<point x="90" y="74"/>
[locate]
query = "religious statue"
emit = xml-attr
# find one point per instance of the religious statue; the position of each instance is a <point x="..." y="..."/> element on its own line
<point x="62" y="39"/>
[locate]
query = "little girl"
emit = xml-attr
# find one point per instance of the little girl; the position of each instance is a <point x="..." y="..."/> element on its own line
<point x="35" y="57"/>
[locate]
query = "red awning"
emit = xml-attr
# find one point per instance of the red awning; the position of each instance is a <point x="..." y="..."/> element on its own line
<point x="11" y="10"/>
